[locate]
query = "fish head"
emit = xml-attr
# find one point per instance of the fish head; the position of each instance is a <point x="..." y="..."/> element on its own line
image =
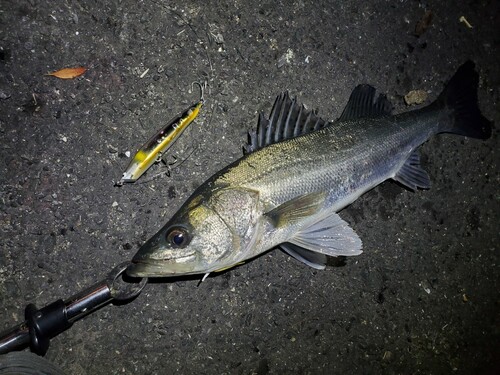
<point x="207" y="234"/>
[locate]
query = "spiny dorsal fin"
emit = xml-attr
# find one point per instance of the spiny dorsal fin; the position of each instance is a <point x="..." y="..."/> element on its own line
<point x="288" y="119"/>
<point x="362" y="103"/>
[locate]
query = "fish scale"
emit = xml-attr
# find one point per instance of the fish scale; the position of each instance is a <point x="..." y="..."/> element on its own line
<point x="332" y="159"/>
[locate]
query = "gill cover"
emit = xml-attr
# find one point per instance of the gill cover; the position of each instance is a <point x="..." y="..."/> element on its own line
<point x="204" y="236"/>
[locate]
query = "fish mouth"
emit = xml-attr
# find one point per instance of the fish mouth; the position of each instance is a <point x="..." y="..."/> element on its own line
<point x="141" y="267"/>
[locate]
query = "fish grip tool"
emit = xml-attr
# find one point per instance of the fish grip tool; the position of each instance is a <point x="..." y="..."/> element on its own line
<point x="43" y="324"/>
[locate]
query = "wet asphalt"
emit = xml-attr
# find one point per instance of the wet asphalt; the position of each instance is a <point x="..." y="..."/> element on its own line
<point x="421" y="299"/>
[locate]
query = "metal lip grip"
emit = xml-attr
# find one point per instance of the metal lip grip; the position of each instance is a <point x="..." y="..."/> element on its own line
<point x="43" y="324"/>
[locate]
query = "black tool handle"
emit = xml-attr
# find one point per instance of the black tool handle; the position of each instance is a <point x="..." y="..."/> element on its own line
<point x="43" y="324"/>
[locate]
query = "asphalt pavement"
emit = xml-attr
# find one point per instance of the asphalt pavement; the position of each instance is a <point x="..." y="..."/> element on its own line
<point x="421" y="299"/>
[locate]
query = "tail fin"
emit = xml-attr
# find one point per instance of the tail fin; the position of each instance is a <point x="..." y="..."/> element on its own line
<point x="460" y="98"/>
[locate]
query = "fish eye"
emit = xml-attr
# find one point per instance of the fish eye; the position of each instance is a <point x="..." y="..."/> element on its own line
<point x="178" y="237"/>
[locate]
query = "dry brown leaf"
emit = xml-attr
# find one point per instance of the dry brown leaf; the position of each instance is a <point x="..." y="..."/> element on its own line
<point x="415" y="97"/>
<point x="68" y="73"/>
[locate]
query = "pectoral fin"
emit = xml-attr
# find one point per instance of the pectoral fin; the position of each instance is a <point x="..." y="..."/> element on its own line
<point x="330" y="236"/>
<point x="296" y="209"/>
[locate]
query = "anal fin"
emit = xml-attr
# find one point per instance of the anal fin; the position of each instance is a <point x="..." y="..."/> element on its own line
<point x="412" y="175"/>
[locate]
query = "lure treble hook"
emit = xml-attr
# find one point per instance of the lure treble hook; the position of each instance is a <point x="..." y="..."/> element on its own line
<point x="203" y="87"/>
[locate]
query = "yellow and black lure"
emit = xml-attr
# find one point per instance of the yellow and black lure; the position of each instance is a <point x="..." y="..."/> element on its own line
<point x="165" y="137"/>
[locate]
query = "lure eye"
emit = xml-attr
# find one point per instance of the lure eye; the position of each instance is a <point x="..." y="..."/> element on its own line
<point x="177" y="237"/>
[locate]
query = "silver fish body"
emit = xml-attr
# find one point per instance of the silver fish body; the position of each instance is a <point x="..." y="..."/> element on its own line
<point x="288" y="193"/>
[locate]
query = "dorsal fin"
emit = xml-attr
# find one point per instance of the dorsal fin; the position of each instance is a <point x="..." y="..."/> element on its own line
<point x="362" y="103"/>
<point x="288" y="119"/>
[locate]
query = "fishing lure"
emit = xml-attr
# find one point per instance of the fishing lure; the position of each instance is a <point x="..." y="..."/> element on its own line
<point x="161" y="141"/>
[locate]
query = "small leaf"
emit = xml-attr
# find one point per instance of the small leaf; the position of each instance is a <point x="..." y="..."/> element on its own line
<point x="68" y="73"/>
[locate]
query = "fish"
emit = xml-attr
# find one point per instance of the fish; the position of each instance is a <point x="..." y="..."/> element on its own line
<point x="298" y="172"/>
